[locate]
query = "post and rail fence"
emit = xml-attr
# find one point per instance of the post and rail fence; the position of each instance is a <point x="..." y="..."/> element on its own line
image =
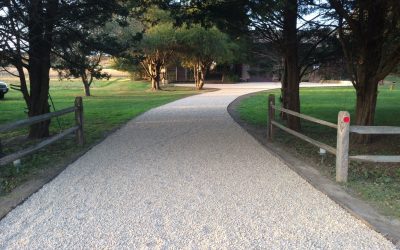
<point x="344" y="129"/>
<point x="77" y="129"/>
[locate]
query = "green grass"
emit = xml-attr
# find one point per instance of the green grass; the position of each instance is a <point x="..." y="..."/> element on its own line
<point x="379" y="184"/>
<point x="112" y="104"/>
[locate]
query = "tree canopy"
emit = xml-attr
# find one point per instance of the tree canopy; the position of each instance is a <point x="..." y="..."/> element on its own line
<point x="201" y="47"/>
<point x="304" y="35"/>
<point x="32" y="32"/>
<point x="192" y="45"/>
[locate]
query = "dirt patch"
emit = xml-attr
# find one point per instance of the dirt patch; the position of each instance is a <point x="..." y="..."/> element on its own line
<point x="388" y="227"/>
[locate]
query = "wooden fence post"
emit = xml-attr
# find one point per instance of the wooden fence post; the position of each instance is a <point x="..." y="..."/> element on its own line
<point x="1" y="150"/>
<point x="271" y="116"/>
<point x="80" y="138"/>
<point x="342" y="147"/>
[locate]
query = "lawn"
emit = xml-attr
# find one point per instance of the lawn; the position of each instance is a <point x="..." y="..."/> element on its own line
<point x="379" y="184"/>
<point x="112" y="104"/>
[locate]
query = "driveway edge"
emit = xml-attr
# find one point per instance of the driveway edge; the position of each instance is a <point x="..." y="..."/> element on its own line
<point x="388" y="227"/>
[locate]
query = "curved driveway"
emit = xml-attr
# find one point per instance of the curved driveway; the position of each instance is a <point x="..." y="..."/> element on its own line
<point x="183" y="176"/>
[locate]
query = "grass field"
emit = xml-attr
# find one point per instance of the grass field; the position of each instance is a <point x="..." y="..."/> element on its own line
<point x="377" y="183"/>
<point x="113" y="103"/>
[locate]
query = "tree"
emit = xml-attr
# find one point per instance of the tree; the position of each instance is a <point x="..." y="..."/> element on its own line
<point x="369" y="31"/>
<point x="275" y="22"/>
<point x="290" y="84"/>
<point x="201" y="47"/>
<point x="156" y="48"/>
<point x="164" y="42"/>
<point x="30" y="32"/>
<point x="282" y="26"/>
<point x="81" y="58"/>
<point x="80" y="64"/>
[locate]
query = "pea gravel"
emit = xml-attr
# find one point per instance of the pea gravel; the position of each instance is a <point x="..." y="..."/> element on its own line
<point x="183" y="176"/>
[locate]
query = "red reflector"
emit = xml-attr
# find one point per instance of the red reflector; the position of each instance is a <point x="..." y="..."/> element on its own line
<point x="346" y="119"/>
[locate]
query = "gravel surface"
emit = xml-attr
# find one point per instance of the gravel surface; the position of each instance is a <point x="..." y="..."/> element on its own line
<point x="184" y="175"/>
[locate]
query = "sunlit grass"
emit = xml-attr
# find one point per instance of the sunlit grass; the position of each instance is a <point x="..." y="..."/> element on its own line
<point x="376" y="183"/>
<point x="112" y="104"/>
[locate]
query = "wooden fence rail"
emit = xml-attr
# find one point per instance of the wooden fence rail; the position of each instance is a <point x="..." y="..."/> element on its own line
<point x="375" y="130"/>
<point x="35" y="119"/>
<point x="343" y="137"/>
<point x="77" y="129"/>
<point x="306" y="117"/>
<point x="316" y="143"/>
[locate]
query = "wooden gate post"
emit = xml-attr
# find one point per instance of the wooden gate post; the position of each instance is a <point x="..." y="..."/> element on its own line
<point x="79" y="120"/>
<point x="342" y="146"/>
<point x="271" y="116"/>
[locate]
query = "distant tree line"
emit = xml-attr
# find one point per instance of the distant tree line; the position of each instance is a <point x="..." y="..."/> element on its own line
<point x="164" y="43"/>
<point x="149" y="35"/>
<point x="306" y="33"/>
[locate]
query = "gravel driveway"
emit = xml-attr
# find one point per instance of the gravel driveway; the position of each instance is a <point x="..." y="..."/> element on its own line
<point x="183" y="176"/>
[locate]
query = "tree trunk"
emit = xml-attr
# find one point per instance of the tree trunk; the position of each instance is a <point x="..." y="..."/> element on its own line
<point x="367" y="97"/>
<point x="291" y="62"/>
<point x="198" y="76"/>
<point x="158" y="76"/>
<point x="195" y="76"/>
<point x="293" y="97"/>
<point x="366" y="104"/>
<point x="87" y="88"/>
<point x="39" y="81"/>
<point x="225" y="71"/>
<point x="155" y="75"/>
<point x="24" y="87"/>
<point x="284" y="90"/>
<point x="371" y="54"/>
<point x="86" y="83"/>
<point x="40" y="25"/>
<point x="155" y="84"/>
<point x="151" y="75"/>
<point x="202" y="76"/>
<point x="39" y="67"/>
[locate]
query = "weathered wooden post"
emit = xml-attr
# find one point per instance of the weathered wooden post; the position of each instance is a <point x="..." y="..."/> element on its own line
<point x="342" y="146"/>
<point x="1" y="150"/>
<point x="80" y="138"/>
<point x="271" y="116"/>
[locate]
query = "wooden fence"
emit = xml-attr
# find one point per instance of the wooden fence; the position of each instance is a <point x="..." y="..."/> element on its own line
<point x="343" y="137"/>
<point x="77" y="129"/>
